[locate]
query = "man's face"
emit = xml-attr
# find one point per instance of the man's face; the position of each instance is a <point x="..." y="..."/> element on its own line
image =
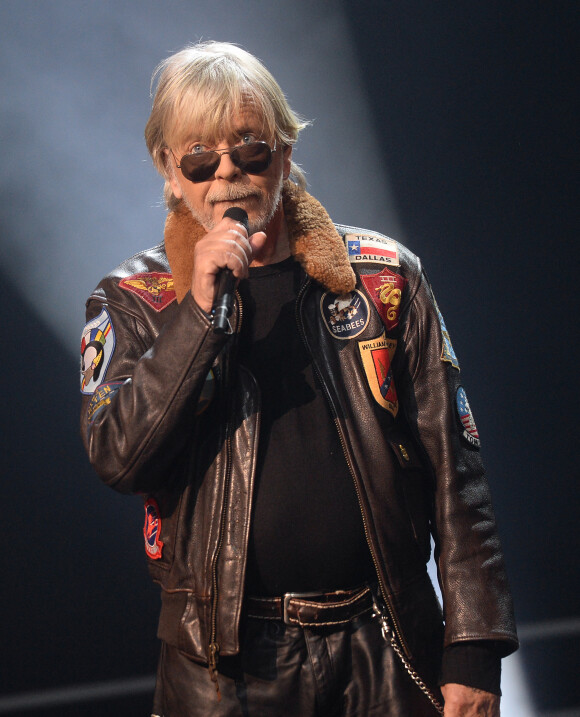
<point x="258" y="194"/>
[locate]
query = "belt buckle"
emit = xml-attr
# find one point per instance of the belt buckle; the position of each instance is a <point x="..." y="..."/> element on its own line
<point x="286" y="602"/>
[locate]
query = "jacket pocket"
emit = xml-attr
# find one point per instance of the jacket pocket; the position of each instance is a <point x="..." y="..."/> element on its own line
<point x="415" y="487"/>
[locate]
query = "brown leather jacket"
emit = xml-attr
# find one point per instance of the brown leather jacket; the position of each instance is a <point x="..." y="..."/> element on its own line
<point x="176" y="419"/>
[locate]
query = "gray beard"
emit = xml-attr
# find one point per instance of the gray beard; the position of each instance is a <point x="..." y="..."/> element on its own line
<point x="258" y="223"/>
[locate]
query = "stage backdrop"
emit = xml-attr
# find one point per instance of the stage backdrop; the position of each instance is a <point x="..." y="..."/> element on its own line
<point x="447" y="126"/>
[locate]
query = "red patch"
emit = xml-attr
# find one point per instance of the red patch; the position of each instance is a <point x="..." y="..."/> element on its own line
<point x="152" y="530"/>
<point x="376" y="355"/>
<point x="385" y="290"/>
<point x="155" y="288"/>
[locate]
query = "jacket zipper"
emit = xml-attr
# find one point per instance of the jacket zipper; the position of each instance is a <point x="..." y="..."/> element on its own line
<point x="214" y="648"/>
<point x="349" y="463"/>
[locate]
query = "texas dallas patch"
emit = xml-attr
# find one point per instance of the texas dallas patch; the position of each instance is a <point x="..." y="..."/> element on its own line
<point x="345" y="315"/>
<point x="376" y="356"/>
<point x="470" y="432"/>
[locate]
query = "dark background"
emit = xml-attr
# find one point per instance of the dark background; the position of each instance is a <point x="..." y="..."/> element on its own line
<point x="471" y="111"/>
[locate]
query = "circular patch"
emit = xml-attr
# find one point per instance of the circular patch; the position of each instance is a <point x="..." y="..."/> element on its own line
<point x="470" y="432"/>
<point x="97" y="346"/>
<point x="345" y="315"/>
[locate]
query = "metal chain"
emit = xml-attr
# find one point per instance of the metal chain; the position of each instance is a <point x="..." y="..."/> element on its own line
<point x="390" y="637"/>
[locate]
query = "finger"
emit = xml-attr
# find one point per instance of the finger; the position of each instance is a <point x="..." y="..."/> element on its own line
<point x="236" y="260"/>
<point x="257" y="241"/>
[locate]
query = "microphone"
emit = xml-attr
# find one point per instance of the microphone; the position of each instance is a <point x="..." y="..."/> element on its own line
<point x="224" y="300"/>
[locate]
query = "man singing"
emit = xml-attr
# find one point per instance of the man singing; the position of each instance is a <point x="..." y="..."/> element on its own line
<point x="296" y="451"/>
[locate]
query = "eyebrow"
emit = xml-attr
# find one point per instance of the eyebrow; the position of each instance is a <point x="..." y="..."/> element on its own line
<point x="236" y="132"/>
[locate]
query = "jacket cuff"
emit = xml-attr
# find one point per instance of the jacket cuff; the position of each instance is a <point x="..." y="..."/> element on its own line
<point x="474" y="664"/>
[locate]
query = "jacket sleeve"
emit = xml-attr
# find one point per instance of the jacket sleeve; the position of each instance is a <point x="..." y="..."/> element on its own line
<point x="476" y="598"/>
<point x="139" y="418"/>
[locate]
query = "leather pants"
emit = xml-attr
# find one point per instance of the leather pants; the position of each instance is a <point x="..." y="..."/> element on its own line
<point x="288" y="671"/>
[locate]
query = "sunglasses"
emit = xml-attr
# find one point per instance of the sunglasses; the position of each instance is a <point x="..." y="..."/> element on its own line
<point x="252" y="158"/>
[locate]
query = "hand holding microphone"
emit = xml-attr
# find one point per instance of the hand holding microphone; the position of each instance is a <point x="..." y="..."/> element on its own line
<point x="224" y="301"/>
<point x="221" y="258"/>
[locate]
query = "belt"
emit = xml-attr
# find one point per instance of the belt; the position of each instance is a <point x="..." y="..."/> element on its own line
<point x="312" y="609"/>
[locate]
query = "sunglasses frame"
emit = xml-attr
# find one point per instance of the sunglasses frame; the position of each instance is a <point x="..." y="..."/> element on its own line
<point x="232" y="152"/>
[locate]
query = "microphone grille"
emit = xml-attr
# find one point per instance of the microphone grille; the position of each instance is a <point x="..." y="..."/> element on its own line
<point x="237" y="214"/>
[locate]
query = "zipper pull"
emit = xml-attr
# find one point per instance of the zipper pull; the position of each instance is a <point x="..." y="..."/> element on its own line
<point x="384" y="623"/>
<point x="214" y="652"/>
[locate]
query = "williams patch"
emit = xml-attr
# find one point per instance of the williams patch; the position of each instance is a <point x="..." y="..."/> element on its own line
<point x="345" y="315"/>
<point x="152" y="530"/>
<point x="470" y="432"/>
<point x="386" y="290"/>
<point x="97" y="346"/>
<point x="364" y="248"/>
<point x="447" y="352"/>
<point x="377" y="355"/>
<point x="155" y="288"/>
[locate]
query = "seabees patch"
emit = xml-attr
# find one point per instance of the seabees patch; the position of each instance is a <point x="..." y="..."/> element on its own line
<point x="345" y="315"/>
<point x="155" y="288"/>
<point x="386" y="290"/>
<point x="97" y="346"/>
<point x="470" y="432"/>
<point x="377" y="355"/>
<point x="152" y="530"/>
<point x="364" y="248"/>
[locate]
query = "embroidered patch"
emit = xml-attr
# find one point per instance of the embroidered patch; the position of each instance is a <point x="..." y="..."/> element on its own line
<point x="368" y="248"/>
<point x="385" y="290"/>
<point x="345" y="315"/>
<point x="376" y="356"/>
<point x="102" y="397"/>
<point x="447" y="352"/>
<point x="206" y="394"/>
<point x="152" y="530"/>
<point x="97" y="346"/>
<point x="470" y="432"/>
<point x="155" y="288"/>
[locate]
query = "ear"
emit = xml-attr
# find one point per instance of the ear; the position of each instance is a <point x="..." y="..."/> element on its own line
<point x="287" y="157"/>
<point x="171" y="174"/>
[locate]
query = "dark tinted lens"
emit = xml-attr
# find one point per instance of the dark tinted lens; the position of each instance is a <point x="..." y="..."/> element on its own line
<point x="199" y="167"/>
<point x="253" y="158"/>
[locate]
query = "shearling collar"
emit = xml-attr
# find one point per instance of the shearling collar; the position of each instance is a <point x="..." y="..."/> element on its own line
<point x="314" y="242"/>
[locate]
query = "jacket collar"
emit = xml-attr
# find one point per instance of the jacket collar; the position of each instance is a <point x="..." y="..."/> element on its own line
<point x="314" y="242"/>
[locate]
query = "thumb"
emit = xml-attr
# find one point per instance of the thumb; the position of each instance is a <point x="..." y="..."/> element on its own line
<point x="257" y="242"/>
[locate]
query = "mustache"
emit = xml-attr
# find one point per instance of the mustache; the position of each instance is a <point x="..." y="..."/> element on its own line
<point x="231" y="194"/>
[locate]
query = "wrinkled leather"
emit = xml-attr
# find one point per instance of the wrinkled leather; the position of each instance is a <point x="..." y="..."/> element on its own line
<point x="294" y="672"/>
<point x="200" y="468"/>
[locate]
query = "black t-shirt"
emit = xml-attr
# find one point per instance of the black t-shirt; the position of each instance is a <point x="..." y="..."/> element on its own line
<point x="307" y="532"/>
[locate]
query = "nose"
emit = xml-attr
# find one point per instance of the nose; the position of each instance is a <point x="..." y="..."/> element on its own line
<point x="226" y="168"/>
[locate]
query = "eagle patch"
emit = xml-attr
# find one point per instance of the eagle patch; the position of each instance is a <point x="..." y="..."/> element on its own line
<point x="155" y="288"/>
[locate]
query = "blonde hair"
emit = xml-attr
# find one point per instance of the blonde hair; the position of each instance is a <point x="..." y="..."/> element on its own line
<point x="203" y="87"/>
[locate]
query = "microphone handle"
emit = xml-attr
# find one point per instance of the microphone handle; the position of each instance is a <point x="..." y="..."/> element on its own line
<point x="224" y="301"/>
